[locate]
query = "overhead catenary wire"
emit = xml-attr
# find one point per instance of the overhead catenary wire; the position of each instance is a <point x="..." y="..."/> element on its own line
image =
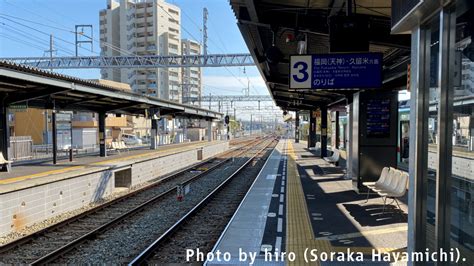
<point x="223" y="50"/>
<point x="14" y="18"/>
<point x="43" y="5"/>
<point x="31" y="37"/>
<point x="106" y="44"/>
<point x="22" y="41"/>
<point x="31" y="12"/>
<point x="37" y="30"/>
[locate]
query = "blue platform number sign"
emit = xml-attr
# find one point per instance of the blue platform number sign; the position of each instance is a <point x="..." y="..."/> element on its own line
<point x="336" y="71"/>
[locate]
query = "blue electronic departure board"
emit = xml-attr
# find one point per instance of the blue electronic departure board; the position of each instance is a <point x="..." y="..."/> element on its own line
<point x="378" y="118"/>
<point x="336" y="71"/>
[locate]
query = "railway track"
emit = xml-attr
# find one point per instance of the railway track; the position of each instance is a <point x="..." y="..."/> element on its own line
<point x="201" y="227"/>
<point x="122" y="241"/>
<point x="52" y="240"/>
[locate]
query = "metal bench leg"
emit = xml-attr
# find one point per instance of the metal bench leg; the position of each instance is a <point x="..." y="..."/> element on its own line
<point x="401" y="211"/>
<point x="368" y="193"/>
<point x="396" y="201"/>
<point x="384" y="203"/>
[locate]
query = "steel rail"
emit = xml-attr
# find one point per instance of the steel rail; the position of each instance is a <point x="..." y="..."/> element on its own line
<point x="50" y="257"/>
<point x="30" y="237"/>
<point x="145" y="254"/>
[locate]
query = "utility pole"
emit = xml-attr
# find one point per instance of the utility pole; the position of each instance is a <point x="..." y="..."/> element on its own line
<point x="248" y="87"/>
<point x="204" y="31"/>
<point x="275" y="124"/>
<point x="235" y="119"/>
<point x="210" y="100"/>
<point x="250" y="124"/>
<point x="51" y="50"/>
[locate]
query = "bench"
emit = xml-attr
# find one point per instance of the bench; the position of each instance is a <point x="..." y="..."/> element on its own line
<point x="392" y="183"/>
<point x="378" y="183"/>
<point x="123" y="146"/>
<point x="111" y="146"/>
<point x="334" y="158"/>
<point x="119" y="146"/>
<point x="7" y="165"/>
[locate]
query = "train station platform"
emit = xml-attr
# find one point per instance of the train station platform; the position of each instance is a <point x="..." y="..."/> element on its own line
<point x="43" y="172"/>
<point x="31" y="193"/>
<point x="299" y="203"/>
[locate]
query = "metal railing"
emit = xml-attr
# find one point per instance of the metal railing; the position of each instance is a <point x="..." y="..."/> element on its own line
<point x="21" y="148"/>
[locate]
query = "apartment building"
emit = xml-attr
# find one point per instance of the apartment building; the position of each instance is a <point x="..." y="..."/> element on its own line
<point x="192" y="76"/>
<point x="143" y="27"/>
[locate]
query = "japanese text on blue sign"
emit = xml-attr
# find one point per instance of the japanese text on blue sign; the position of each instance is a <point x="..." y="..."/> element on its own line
<point x="336" y="71"/>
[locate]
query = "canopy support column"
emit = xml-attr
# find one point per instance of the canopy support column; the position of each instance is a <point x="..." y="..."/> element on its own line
<point x="209" y="130"/>
<point x="102" y="136"/>
<point x="154" y="134"/>
<point x="312" y="130"/>
<point x="4" y="132"/>
<point x="55" y="137"/>
<point x="297" y="127"/>
<point x="336" y="139"/>
<point x="324" y="131"/>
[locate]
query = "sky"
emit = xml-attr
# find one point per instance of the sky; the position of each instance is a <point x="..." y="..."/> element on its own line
<point x="25" y="26"/>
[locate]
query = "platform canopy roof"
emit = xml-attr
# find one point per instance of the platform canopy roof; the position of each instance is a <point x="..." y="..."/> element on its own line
<point x="266" y="22"/>
<point x="23" y="85"/>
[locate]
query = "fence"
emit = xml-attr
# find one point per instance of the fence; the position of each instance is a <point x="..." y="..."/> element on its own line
<point x="21" y="148"/>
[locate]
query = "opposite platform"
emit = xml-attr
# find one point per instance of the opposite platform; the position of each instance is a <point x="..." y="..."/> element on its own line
<point x="43" y="193"/>
<point x="36" y="173"/>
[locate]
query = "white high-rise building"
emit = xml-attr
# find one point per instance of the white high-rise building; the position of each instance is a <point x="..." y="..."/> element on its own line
<point x="192" y="76"/>
<point x="143" y="27"/>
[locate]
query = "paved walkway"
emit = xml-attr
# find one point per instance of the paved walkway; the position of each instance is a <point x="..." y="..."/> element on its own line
<point x="300" y="203"/>
<point x="324" y="213"/>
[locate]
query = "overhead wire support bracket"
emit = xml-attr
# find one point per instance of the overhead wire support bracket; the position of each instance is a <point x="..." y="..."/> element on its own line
<point x="79" y="37"/>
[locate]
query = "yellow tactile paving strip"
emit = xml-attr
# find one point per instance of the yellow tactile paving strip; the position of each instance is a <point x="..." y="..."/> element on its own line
<point x="42" y="174"/>
<point x="299" y="231"/>
<point x="101" y="163"/>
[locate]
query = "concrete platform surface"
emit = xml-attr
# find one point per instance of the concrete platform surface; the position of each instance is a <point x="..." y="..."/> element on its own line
<point x="337" y="218"/>
<point x="320" y="212"/>
<point x="258" y="222"/>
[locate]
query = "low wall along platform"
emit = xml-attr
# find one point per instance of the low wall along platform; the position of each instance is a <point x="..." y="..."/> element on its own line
<point x="24" y="205"/>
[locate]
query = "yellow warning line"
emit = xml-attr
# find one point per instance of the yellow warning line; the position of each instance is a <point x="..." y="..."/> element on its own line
<point x="42" y="174"/>
<point x="80" y="167"/>
<point x="299" y="231"/>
